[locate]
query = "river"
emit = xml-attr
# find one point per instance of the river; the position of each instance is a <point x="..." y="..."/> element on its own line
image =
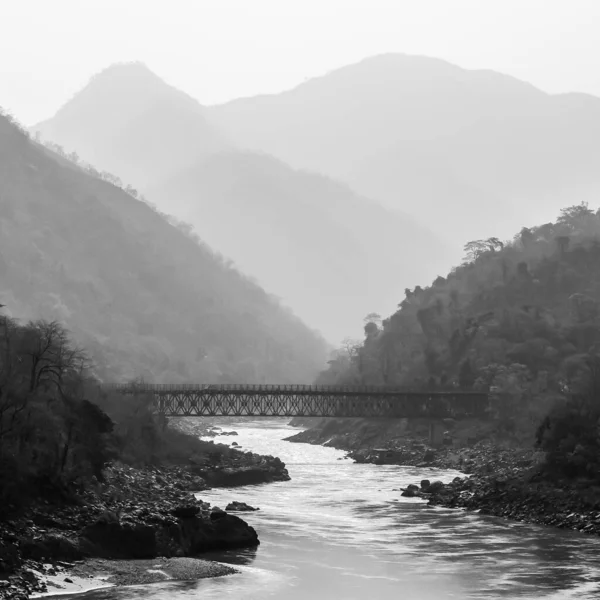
<point x="340" y="530"/>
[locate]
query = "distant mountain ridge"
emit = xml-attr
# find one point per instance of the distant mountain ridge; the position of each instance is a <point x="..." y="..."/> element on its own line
<point x="467" y="154"/>
<point x="333" y="122"/>
<point x="139" y="293"/>
<point x="129" y="122"/>
<point x="332" y="254"/>
<point x="470" y="153"/>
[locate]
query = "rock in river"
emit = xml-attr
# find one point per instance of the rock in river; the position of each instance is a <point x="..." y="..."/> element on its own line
<point x="240" y="507"/>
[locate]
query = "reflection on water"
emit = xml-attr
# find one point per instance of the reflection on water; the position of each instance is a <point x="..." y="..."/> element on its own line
<point x="341" y="530"/>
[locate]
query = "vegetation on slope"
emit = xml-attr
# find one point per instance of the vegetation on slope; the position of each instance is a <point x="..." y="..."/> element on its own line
<point x="59" y="430"/>
<point x="50" y="437"/>
<point x="520" y="318"/>
<point x="145" y="297"/>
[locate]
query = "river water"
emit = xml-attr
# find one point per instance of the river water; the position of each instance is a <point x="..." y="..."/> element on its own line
<point x="340" y="530"/>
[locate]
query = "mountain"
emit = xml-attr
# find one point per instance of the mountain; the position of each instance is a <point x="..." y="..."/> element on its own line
<point x="145" y="297"/>
<point x="499" y="171"/>
<point x="332" y="254"/>
<point x="129" y="122"/>
<point x="521" y="318"/>
<point x="468" y="152"/>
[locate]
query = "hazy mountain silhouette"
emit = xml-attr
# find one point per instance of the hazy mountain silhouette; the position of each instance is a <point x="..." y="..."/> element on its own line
<point x="472" y="153"/>
<point x="127" y="121"/>
<point x="331" y="254"/>
<point x="140" y="293"/>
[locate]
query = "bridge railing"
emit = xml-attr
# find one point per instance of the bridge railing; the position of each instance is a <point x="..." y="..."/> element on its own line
<point x="194" y="387"/>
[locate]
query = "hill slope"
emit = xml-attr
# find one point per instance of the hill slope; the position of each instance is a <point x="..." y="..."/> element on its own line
<point x="467" y="152"/>
<point x="127" y="121"/>
<point x="143" y="296"/>
<point x="332" y="123"/>
<point x="520" y="318"/>
<point x="332" y="254"/>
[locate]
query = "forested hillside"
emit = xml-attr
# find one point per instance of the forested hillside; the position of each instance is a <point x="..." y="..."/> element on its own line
<point x="146" y="298"/>
<point x="520" y="317"/>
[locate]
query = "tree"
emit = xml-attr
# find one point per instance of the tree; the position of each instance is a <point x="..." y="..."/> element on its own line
<point x="50" y="355"/>
<point x="477" y="248"/>
<point x="562" y="241"/>
<point x="527" y="237"/>
<point x="373" y="318"/>
<point x="371" y="329"/>
<point x="573" y="218"/>
<point x="131" y="191"/>
<point x="48" y="432"/>
<point x="466" y="375"/>
<point x="13" y="400"/>
<point x="569" y="433"/>
<point x="351" y="347"/>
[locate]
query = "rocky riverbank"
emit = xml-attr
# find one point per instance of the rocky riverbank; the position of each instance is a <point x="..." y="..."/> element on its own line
<point x="506" y="476"/>
<point x="405" y="442"/>
<point x="512" y="483"/>
<point x="227" y="464"/>
<point x="134" y="514"/>
<point x="97" y="573"/>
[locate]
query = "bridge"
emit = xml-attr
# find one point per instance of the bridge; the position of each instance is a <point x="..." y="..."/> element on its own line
<point x="239" y="400"/>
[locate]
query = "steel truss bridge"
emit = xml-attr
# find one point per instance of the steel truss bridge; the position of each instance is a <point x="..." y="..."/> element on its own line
<point x="189" y="400"/>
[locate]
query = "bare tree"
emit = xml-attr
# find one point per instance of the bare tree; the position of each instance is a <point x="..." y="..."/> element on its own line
<point x="51" y="356"/>
<point x="12" y="402"/>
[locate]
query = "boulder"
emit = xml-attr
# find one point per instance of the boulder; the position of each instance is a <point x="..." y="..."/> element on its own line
<point x="246" y="475"/>
<point x="220" y="532"/>
<point x="185" y="512"/>
<point x="239" y="507"/>
<point x="119" y="540"/>
<point x="429" y="456"/>
<point x="196" y="484"/>
<point x="435" y="487"/>
<point x="425" y="483"/>
<point x="51" y="546"/>
<point x="411" y="491"/>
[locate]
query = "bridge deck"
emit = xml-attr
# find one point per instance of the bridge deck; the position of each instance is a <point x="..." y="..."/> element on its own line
<point x="237" y="400"/>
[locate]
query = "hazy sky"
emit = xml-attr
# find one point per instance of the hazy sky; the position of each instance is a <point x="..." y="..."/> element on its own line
<point x="220" y="49"/>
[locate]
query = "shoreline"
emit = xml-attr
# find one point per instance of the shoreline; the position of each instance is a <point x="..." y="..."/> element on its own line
<point x="96" y="573"/>
<point x="135" y="514"/>
<point x="500" y="478"/>
<point x="521" y="493"/>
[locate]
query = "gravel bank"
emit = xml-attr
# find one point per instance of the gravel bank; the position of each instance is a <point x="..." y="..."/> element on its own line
<point x="98" y="573"/>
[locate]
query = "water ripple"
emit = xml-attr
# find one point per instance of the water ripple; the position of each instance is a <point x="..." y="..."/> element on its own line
<point x="342" y="531"/>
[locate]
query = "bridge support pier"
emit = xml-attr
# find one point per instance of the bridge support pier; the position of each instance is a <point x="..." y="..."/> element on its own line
<point x="436" y="433"/>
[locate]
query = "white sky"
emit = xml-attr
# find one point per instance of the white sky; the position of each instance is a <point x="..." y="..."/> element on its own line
<point x="221" y="49"/>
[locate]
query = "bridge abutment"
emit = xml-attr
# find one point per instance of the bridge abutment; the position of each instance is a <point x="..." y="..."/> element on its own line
<point x="436" y="433"/>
